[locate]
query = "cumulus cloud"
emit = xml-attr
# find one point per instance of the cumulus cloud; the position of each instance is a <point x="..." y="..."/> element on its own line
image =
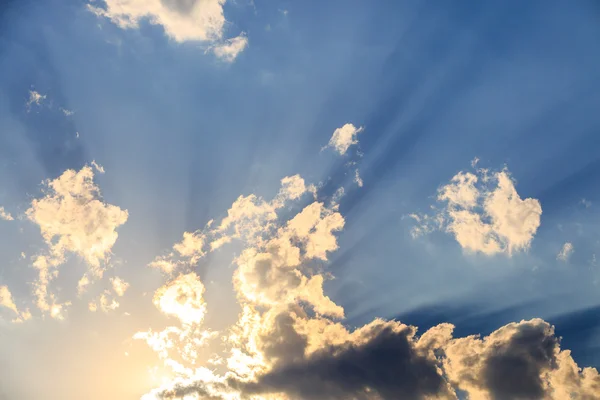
<point x="518" y="361"/>
<point x="484" y="213"/>
<point x="344" y="137"/>
<point x="249" y="218"/>
<point x="381" y="360"/>
<point x="565" y="252"/>
<point x="73" y="218"/>
<point x="5" y="215"/>
<point x="182" y="298"/>
<point x="290" y="341"/>
<point x="182" y="20"/>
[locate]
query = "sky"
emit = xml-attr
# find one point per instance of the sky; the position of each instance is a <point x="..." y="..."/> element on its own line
<point x="299" y="200"/>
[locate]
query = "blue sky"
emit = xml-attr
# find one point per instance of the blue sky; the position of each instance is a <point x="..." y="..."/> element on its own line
<point x="182" y="132"/>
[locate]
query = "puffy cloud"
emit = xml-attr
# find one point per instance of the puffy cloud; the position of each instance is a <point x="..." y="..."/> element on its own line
<point x="5" y="215"/>
<point x="119" y="286"/>
<point x="249" y="218"/>
<point x="314" y="226"/>
<point x="565" y="252"/>
<point x="182" y="20"/>
<point x="191" y="246"/>
<point x="290" y="341"/>
<point x="182" y="298"/>
<point x="162" y="263"/>
<point x="292" y="187"/>
<point x="518" y="361"/>
<point x="515" y="221"/>
<point x="387" y="360"/>
<point x="344" y="137"/>
<point x="382" y="360"/>
<point x="485" y="213"/>
<point x="73" y="218"/>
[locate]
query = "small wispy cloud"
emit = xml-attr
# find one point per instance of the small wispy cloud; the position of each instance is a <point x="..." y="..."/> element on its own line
<point x="344" y="137"/>
<point x="565" y="252"/>
<point x="67" y="113"/>
<point x="5" y="215"/>
<point x="586" y="203"/>
<point x="357" y="179"/>
<point x="34" y="98"/>
<point x="230" y="48"/>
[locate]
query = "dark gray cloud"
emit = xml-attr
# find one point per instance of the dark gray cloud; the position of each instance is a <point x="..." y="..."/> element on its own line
<point x="513" y="370"/>
<point x="386" y="365"/>
<point x="283" y="345"/>
<point x="181" y="390"/>
<point x="387" y="361"/>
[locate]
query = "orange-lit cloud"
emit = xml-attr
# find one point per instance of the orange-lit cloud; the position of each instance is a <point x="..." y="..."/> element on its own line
<point x="73" y="219"/>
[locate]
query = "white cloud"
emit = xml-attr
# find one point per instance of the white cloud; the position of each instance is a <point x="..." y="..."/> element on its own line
<point x="191" y="246"/>
<point x="344" y="137"/>
<point x="249" y="219"/>
<point x="230" y="48"/>
<point x="292" y="187"/>
<point x="183" y="298"/>
<point x="73" y="218"/>
<point x="182" y="20"/>
<point x="485" y="213"/>
<point x="565" y="252"/>
<point x="5" y="215"/>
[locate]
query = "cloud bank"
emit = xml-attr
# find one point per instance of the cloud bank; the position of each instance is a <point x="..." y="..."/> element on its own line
<point x="290" y="341"/>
